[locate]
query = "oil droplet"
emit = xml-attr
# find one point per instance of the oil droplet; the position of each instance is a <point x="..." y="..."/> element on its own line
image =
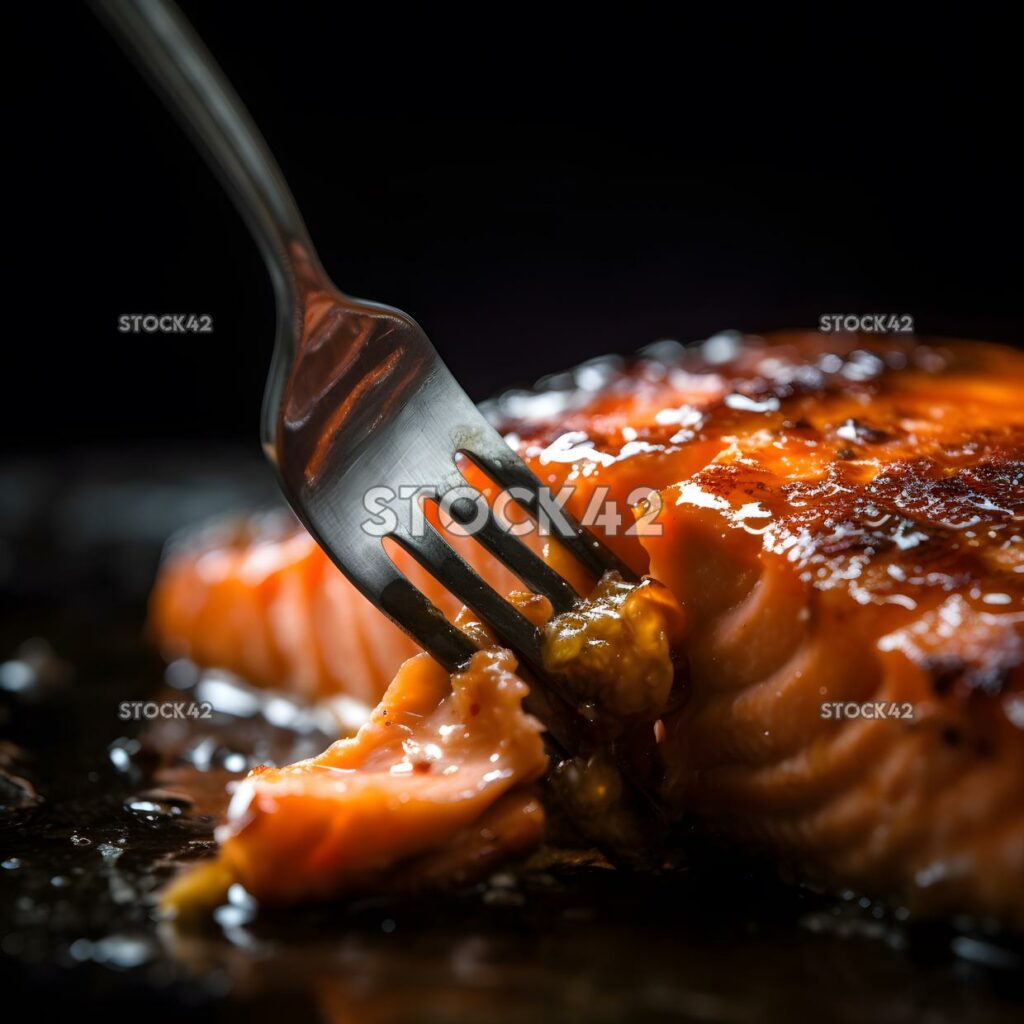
<point x="152" y="810"/>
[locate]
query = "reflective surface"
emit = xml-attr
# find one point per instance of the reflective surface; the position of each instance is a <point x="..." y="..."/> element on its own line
<point x="568" y="939"/>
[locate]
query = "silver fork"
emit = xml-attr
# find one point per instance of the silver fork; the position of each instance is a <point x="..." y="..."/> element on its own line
<point x="357" y="397"/>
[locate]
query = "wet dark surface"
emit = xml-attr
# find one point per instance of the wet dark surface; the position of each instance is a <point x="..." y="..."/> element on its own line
<point x="97" y="813"/>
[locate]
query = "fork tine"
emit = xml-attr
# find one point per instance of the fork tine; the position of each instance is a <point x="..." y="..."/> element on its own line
<point x="452" y="571"/>
<point x="512" y="629"/>
<point x="371" y="571"/>
<point x="426" y="623"/>
<point x="508" y="470"/>
<point x="532" y="570"/>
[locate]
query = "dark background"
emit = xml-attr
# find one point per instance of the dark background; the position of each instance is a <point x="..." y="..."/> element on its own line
<point x="533" y="189"/>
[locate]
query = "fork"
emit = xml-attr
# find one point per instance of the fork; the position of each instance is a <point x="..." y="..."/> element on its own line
<point x="357" y="397"/>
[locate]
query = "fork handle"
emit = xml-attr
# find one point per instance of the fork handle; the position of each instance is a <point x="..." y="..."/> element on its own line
<point x="157" y="36"/>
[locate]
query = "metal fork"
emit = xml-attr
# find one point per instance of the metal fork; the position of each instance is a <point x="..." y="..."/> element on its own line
<point x="357" y="397"/>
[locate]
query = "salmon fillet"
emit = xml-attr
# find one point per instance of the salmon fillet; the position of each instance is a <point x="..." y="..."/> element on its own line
<point x="840" y="518"/>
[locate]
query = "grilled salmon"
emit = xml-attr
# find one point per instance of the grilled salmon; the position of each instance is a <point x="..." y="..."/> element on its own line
<point x="839" y="518"/>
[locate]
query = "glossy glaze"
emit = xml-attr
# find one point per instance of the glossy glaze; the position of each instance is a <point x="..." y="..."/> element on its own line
<point x="842" y="523"/>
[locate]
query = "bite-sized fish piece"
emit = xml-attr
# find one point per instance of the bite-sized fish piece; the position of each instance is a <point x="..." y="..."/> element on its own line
<point x="435" y="787"/>
<point x="840" y="518"/>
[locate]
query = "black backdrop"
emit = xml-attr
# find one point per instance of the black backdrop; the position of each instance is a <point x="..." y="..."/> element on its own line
<point x="534" y="188"/>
